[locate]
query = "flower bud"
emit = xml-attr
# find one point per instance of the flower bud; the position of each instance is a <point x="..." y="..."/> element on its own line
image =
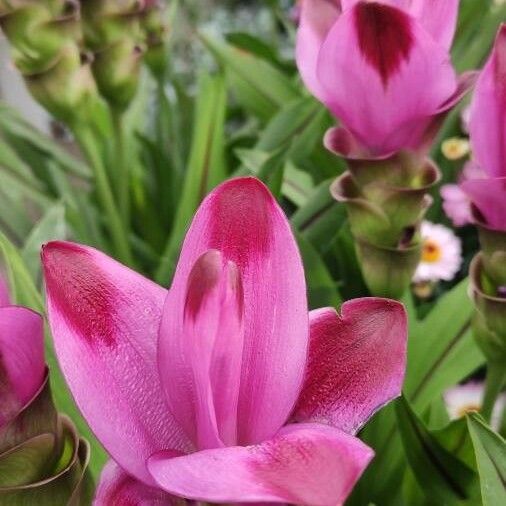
<point x="117" y="72"/>
<point x="155" y="29"/>
<point x="67" y="87"/>
<point x="37" y="33"/>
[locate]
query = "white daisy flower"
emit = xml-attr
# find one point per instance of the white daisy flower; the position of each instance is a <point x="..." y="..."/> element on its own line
<point x="441" y="254"/>
<point x="467" y="398"/>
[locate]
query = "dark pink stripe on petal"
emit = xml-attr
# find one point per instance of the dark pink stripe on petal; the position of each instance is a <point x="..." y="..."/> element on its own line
<point x="81" y="292"/>
<point x="241" y="224"/>
<point x="385" y="37"/>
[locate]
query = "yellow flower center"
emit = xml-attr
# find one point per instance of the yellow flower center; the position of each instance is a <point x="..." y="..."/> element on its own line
<point x="431" y="252"/>
<point x="455" y="148"/>
<point x="470" y="408"/>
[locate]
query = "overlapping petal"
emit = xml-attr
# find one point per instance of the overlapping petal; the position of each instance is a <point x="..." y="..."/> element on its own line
<point x="382" y="51"/>
<point x="356" y="362"/>
<point x="316" y="20"/>
<point x="438" y="17"/>
<point x="243" y="222"/>
<point x="488" y="112"/>
<point x="104" y="320"/>
<point x="201" y="356"/>
<point x="303" y="464"/>
<point x="117" y="488"/>
<point x="489" y="198"/>
<point x="22" y="366"/>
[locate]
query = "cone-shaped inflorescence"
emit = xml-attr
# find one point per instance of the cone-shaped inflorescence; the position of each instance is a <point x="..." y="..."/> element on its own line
<point x="46" y="42"/>
<point x="386" y="200"/>
<point x="66" y="49"/>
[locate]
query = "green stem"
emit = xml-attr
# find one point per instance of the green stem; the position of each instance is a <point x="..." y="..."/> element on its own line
<point x="116" y="225"/>
<point x="123" y="167"/>
<point x="496" y="377"/>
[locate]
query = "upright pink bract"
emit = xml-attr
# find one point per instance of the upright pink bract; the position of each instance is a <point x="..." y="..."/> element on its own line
<point x="22" y="366"/>
<point x="487" y="128"/>
<point x="225" y="388"/>
<point x="382" y="68"/>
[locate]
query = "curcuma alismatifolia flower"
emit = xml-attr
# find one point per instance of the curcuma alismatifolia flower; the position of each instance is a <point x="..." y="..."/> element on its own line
<point x="42" y="459"/>
<point x="364" y="60"/>
<point x="224" y="388"/>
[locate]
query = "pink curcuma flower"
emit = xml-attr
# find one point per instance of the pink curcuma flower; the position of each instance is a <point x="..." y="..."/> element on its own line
<point x="487" y="127"/>
<point x="225" y="388"/>
<point x="22" y="366"/>
<point x="382" y="68"/>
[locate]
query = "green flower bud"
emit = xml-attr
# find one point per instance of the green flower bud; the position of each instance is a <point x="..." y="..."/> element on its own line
<point x="493" y="246"/>
<point x="117" y="72"/>
<point x="37" y="35"/>
<point x="106" y="22"/>
<point x="67" y="88"/>
<point x="489" y="323"/>
<point x="155" y="28"/>
<point x="42" y="459"/>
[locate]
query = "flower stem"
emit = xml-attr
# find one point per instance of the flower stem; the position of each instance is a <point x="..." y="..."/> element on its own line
<point x="496" y="377"/>
<point x="105" y="195"/>
<point x="123" y="168"/>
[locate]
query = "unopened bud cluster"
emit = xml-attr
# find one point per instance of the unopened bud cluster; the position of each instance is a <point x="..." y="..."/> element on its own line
<point x="70" y="51"/>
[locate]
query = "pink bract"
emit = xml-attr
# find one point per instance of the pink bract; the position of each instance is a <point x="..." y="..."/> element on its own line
<point x="22" y="366"/>
<point x="360" y="59"/>
<point x="487" y="127"/>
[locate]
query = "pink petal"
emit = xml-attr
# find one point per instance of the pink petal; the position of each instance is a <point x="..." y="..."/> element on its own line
<point x="438" y="17"/>
<point x="488" y="112"/>
<point x="357" y="362"/>
<point x="201" y="351"/>
<point x="400" y="4"/>
<point x="4" y="292"/>
<point x="456" y="204"/>
<point x="303" y="464"/>
<point x="371" y="56"/>
<point x="316" y="20"/>
<point x="242" y="221"/>
<point x="117" y="488"/>
<point x="104" y="320"/>
<point x="489" y="197"/>
<point x="22" y="367"/>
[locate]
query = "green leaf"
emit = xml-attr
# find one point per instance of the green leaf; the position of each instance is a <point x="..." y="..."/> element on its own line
<point x="441" y="350"/>
<point x="490" y="449"/>
<point x="21" y="134"/>
<point x="322" y="290"/>
<point x="321" y="218"/>
<point x="206" y="167"/>
<point x="259" y="86"/>
<point x="51" y="227"/>
<point x="444" y="478"/>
